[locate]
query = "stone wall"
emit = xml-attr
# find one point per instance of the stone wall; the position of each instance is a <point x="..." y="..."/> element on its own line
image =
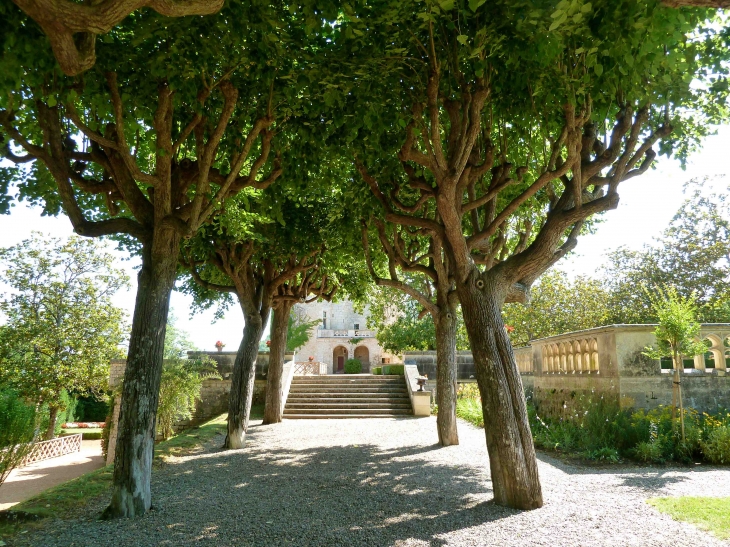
<point x="213" y="394"/>
<point x="564" y="372"/>
<point x="426" y="363"/>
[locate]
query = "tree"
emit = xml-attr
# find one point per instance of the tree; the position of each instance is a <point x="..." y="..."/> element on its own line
<point x="62" y="327"/>
<point x="72" y="28"/>
<point x="692" y="255"/>
<point x="147" y="147"/>
<point x="517" y="123"/>
<point x="430" y="283"/>
<point x="267" y="264"/>
<point x="177" y="341"/>
<point x="558" y="305"/>
<point x="677" y="335"/>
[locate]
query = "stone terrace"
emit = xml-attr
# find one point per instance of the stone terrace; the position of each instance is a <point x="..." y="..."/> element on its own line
<point x="385" y="482"/>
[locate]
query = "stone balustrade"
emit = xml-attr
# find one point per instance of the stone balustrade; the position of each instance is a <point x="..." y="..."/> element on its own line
<point x="344" y="333"/>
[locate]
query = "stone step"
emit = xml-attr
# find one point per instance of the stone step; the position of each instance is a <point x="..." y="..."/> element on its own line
<point x="349" y="383"/>
<point x="320" y="404"/>
<point x="330" y="411"/>
<point x="346" y="389"/>
<point x="348" y="398"/>
<point x="348" y="378"/>
<point x="325" y="377"/>
<point x="341" y="416"/>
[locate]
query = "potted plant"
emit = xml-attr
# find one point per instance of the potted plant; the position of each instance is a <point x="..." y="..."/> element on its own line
<point x="219" y="346"/>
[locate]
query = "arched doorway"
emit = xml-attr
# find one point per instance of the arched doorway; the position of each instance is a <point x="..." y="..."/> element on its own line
<point x="339" y="356"/>
<point x="362" y="354"/>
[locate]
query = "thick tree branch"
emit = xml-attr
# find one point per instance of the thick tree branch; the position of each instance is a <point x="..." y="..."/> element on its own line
<point x="62" y="19"/>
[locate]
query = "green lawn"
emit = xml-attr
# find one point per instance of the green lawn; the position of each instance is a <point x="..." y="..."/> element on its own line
<point x="711" y="514"/>
<point x="68" y="499"/>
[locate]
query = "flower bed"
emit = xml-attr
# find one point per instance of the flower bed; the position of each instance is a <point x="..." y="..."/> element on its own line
<point x="82" y="425"/>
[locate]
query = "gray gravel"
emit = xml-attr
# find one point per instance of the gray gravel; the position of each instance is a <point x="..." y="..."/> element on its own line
<point x="385" y="482"/>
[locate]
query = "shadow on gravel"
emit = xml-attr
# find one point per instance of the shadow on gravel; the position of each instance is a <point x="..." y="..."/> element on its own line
<point x="649" y="478"/>
<point x="345" y="495"/>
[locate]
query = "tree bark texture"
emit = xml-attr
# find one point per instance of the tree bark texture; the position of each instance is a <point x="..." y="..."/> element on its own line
<point x="140" y="393"/>
<point x="446" y="373"/>
<point x="52" y="419"/>
<point x="277" y="351"/>
<point x="512" y="458"/>
<point x="242" y="380"/>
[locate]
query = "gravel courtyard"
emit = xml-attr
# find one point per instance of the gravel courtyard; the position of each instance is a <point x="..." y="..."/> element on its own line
<point x="384" y="482"/>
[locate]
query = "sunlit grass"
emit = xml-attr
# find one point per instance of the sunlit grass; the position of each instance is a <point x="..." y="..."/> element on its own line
<point x="470" y="410"/>
<point x="710" y="514"/>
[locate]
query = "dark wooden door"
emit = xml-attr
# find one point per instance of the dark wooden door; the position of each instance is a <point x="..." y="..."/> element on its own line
<point x="340" y="363"/>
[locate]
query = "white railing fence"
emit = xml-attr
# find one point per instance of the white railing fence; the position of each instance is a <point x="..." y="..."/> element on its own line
<point x="310" y="368"/>
<point x="60" y="446"/>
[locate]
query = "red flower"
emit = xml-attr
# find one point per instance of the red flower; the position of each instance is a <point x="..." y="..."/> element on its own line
<point x="509" y="328"/>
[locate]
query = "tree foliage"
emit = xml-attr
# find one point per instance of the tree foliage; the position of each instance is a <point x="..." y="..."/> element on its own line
<point x="182" y="380"/>
<point x="678" y="331"/>
<point x="62" y="327"/>
<point x="401" y="324"/>
<point x="177" y="341"/>
<point x="692" y="255"/>
<point x="17" y="431"/>
<point x="299" y="329"/>
<point x="558" y="305"/>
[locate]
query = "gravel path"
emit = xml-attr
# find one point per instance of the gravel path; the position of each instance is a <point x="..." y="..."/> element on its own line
<point x="384" y="482"/>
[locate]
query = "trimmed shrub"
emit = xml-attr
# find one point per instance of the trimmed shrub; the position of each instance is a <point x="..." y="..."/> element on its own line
<point x="386" y="369"/>
<point x="397" y="369"/>
<point x="353" y="366"/>
<point x="17" y="431"/>
<point x="377" y="370"/>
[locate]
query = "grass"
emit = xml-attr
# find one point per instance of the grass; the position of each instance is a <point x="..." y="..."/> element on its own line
<point x="710" y="514"/>
<point x="69" y="499"/>
<point x="470" y="410"/>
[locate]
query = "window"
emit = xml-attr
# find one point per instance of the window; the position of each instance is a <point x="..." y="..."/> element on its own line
<point x="357" y="326"/>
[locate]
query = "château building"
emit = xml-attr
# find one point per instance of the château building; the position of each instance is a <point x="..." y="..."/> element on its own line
<point x="341" y="334"/>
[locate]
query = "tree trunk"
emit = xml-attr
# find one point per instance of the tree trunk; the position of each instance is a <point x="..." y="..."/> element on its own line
<point x="140" y="393"/>
<point x="446" y="372"/>
<point x="52" y="418"/>
<point x="277" y="350"/>
<point x="512" y="459"/>
<point x="242" y="380"/>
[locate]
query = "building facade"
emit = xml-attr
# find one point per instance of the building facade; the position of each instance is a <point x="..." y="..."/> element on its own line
<point x="341" y="334"/>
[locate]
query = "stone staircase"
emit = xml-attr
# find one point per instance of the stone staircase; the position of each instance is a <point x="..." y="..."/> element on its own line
<point x="347" y="396"/>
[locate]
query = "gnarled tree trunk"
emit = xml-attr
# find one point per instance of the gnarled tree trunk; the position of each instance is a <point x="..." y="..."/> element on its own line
<point x="274" y="385"/>
<point x="242" y="380"/>
<point x="446" y="370"/>
<point x="135" y="442"/>
<point x="512" y="458"/>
